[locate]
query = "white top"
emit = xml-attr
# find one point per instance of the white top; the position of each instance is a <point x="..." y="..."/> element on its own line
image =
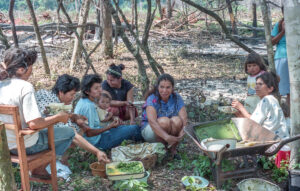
<point x="102" y="115"/>
<point x="19" y="93"/>
<point x="251" y="82"/>
<point x="269" y="114"/>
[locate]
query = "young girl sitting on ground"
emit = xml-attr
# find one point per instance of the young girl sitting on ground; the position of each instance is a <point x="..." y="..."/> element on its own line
<point x="254" y="67"/>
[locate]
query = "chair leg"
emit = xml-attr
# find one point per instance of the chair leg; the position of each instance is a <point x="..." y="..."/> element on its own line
<point x="53" y="175"/>
<point x="25" y="183"/>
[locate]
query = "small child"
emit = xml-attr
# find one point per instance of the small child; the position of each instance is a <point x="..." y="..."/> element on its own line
<point x="254" y="66"/>
<point x="105" y="117"/>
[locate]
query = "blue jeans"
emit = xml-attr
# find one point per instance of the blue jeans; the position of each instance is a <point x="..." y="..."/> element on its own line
<point x="115" y="136"/>
<point x="63" y="137"/>
<point x="282" y="70"/>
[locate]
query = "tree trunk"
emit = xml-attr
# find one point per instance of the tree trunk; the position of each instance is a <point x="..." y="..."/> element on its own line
<point x="232" y="19"/>
<point x="133" y="4"/>
<point x="141" y="65"/>
<point x="83" y="15"/>
<point x="98" y="32"/>
<point x="149" y="20"/>
<point x="292" y="31"/>
<point x="144" y="44"/>
<point x="85" y="54"/>
<point x="159" y="9"/>
<point x="38" y="36"/>
<point x="266" y="18"/>
<point x="12" y="22"/>
<point x="3" y="39"/>
<point x="7" y="181"/>
<point x="106" y="22"/>
<point x="169" y="9"/>
<point x="254" y="19"/>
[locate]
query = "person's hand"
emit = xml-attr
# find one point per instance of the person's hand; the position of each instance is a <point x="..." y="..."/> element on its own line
<point x="181" y="134"/>
<point x="102" y="157"/>
<point x="116" y="122"/>
<point x="129" y="104"/>
<point x="171" y="140"/>
<point x="78" y="119"/>
<point x="236" y="104"/>
<point x="63" y="116"/>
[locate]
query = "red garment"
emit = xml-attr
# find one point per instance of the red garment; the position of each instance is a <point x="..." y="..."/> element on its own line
<point x="121" y="111"/>
<point x="282" y="155"/>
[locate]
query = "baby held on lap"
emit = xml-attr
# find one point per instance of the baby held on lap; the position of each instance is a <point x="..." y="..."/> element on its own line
<point x="105" y="117"/>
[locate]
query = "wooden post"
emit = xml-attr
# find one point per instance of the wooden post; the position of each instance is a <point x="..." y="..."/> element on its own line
<point x="7" y="181"/>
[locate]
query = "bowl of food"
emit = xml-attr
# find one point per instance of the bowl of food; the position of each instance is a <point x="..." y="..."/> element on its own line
<point x="54" y="108"/>
<point x="257" y="184"/>
<point x="194" y="182"/>
<point x="227" y="109"/>
<point x="125" y="170"/>
<point x="217" y="144"/>
<point x="98" y="169"/>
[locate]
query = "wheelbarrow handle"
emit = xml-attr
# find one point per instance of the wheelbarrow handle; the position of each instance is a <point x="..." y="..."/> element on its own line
<point x="281" y="144"/>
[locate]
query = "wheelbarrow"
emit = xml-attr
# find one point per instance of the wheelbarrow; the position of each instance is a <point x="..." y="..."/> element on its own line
<point x="240" y="129"/>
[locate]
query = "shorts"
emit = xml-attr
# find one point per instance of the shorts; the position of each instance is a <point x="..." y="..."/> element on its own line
<point x="282" y="70"/>
<point x="148" y="134"/>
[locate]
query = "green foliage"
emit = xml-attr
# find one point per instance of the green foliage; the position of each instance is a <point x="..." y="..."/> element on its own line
<point x="200" y="164"/>
<point x="228" y="185"/>
<point x="132" y="185"/>
<point x="266" y="163"/>
<point x="80" y="160"/>
<point x="227" y="165"/>
<point x="280" y="174"/>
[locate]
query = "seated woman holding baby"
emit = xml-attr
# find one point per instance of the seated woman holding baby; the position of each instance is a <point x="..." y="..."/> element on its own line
<point x="96" y="133"/>
<point x="164" y="114"/>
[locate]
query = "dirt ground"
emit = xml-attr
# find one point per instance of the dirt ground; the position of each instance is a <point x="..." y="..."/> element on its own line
<point x="177" y="60"/>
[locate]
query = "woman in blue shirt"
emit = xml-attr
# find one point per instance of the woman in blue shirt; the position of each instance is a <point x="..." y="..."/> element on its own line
<point x="281" y="61"/>
<point x="164" y="114"/>
<point x="101" y="137"/>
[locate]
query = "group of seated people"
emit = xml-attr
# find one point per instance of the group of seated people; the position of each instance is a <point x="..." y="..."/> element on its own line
<point x="99" y="113"/>
<point x="103" y="106"/>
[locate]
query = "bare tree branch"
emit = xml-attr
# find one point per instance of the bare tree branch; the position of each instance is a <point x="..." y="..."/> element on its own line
<point x="87" y="59"/>
<point x="222" y="24"/>
<point x="12" y="22"/>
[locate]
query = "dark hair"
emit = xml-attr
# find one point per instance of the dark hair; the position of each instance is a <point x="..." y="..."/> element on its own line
<point x="154" y="90"/>
<point x="254" y="58"/>
<point x="66" y="83"/>
<point x="105" y="95"/>
<point x="87" y="82"/>
<point x="271" y="80"/>
<point x="15" y="58"/>
<point x="115" y="71"/>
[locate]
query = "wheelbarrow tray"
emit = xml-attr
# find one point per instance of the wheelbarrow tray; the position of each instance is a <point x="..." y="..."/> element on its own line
<point x="241" y="129"/>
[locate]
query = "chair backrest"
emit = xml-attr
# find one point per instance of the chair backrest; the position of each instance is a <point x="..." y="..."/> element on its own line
<point x="9" y="115"/>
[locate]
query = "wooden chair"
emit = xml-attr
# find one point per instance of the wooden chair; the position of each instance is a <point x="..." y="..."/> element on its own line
<point x="30" y="162"/>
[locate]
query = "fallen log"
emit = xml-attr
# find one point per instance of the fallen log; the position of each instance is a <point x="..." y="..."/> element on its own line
<point x="51" y="27"/>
